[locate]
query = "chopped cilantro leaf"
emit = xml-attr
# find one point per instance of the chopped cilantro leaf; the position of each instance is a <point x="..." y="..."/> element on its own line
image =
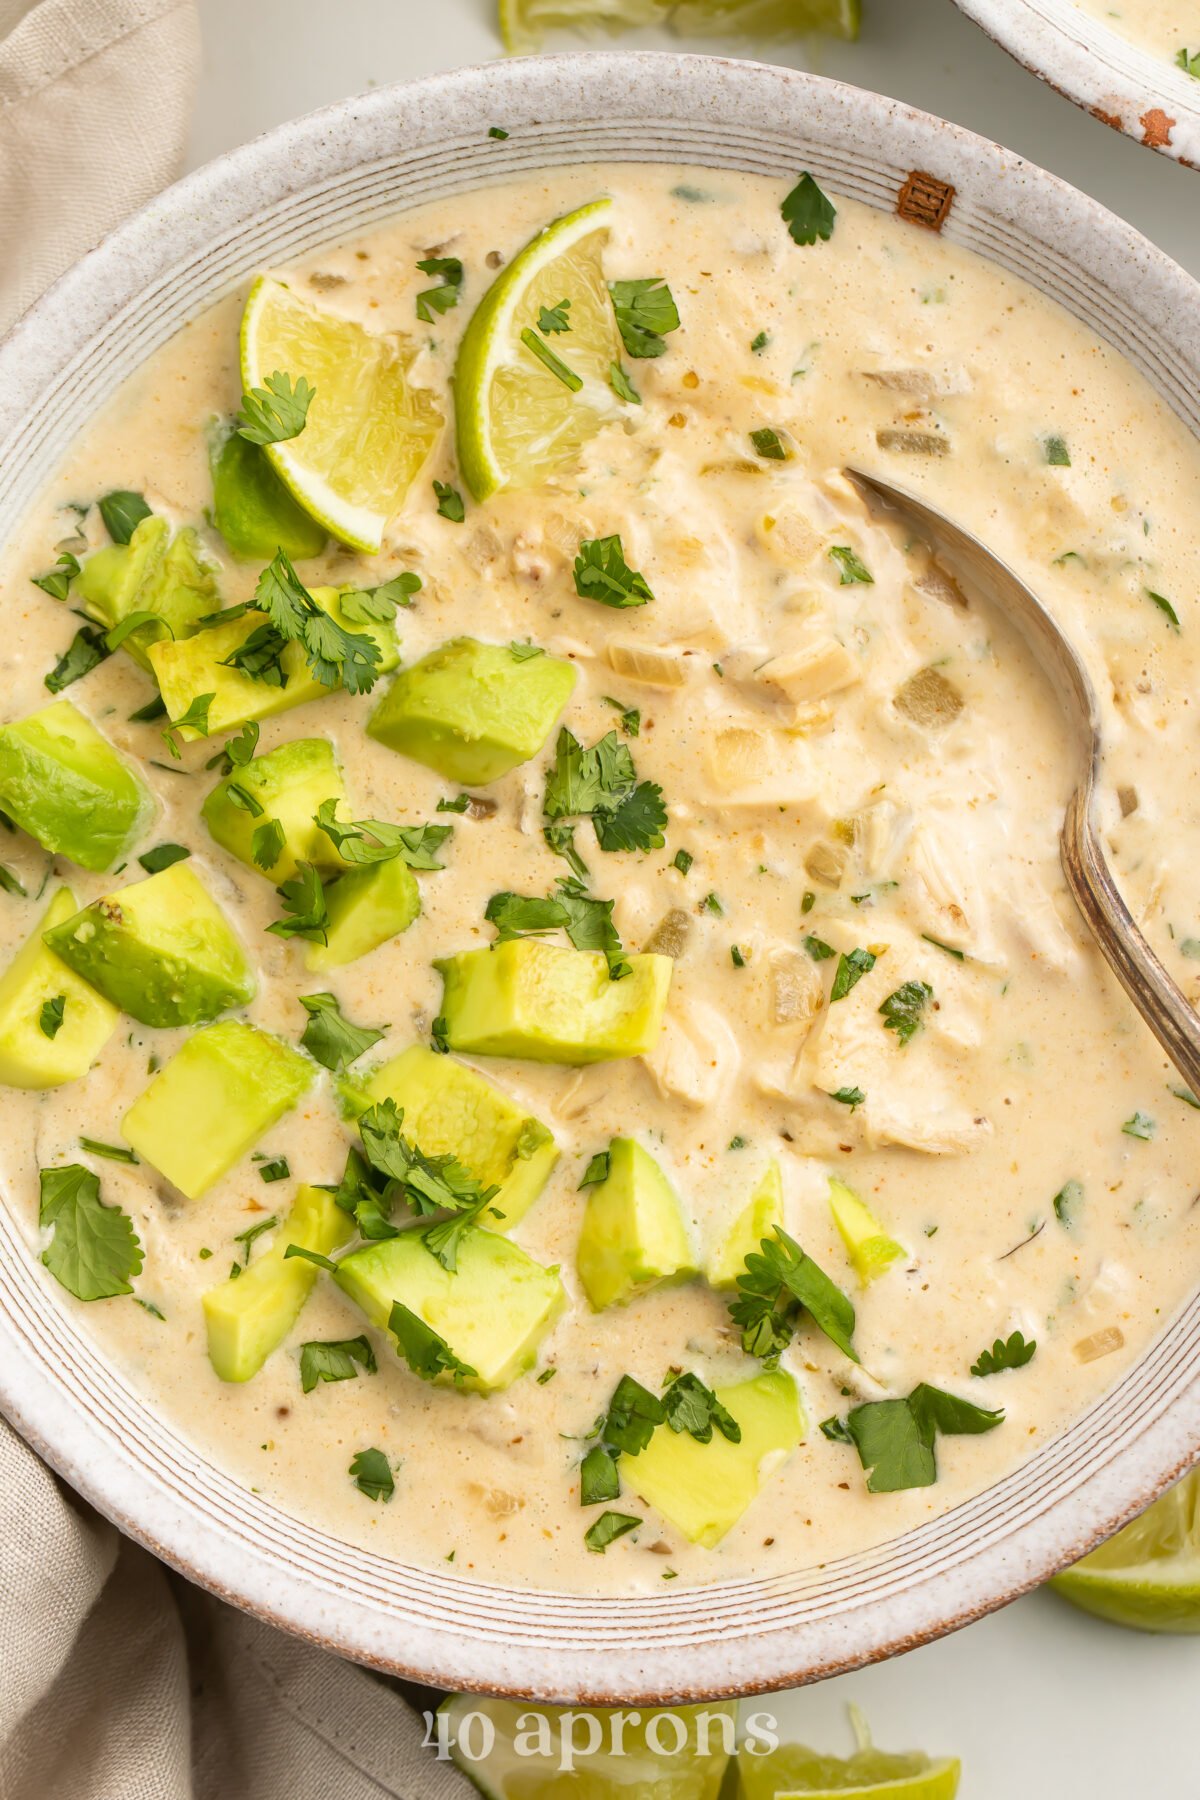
<point x="621" y="385"/>
<point x="607" y="1528"/>
<point x="443" y="298"/>
<point x="94" y="1252"/>
<point x="682" y="860"/>
<point x="162" y="856"/>
<point x="601" y="573"/>
<point x="330" y="1038"/>
<point x="601" y="783"/>
<point x="1056" y="452"/>
<point x="86" y="651"/>
<point x="112" y="1152"/>
<point x="57" y="581"/>
<point x="902" y="1010"/>
<point x="277" y="1170"/>
<point x="277" y="412"/>
<point x="554" y="318"/>
<point x="371" y="1474"/>
<point x="1006" y="1353"/>
<point x="852" y="966"/>
<point x="597" y="1169"/>
<point x="304" y="900"/>
<point x="50" y="1018"/>
<point x="1140" y="1126"/>
<point x="853" y="568"/>
<point x="1164" y="606"/>
<point x="449" y="502"/>
<point x="848" y="1096"/>
<point x="336" y="1359"/>
<point x="374" y="841"/>
<point x="645" y="312"/>
<point x="426" y="1354"/>
<point x="122" y="512"/>
<point x="692" y="1407"/>
<point x="267" y="843"/>
<point x="807" y="213"/>
<point x="817" y="948"/>
<point x="1067" y="1201"/>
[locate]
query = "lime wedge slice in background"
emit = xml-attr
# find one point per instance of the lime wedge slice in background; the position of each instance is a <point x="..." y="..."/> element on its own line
<point x="867" y="1775"/>
<point x="1148" y="1575"/>
<point x="522" y="22"/>
<point x="517" y="421"/>
<point x="368" y="431"/>
<point x="507" y="1774"/>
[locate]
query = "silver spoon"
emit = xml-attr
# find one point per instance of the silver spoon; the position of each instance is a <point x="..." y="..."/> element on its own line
<point x="1129" y="956"/>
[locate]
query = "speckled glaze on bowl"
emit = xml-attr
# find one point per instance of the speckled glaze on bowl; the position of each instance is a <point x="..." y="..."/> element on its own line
<point x="1116" y="81"/>
<point x="332" y="175"/>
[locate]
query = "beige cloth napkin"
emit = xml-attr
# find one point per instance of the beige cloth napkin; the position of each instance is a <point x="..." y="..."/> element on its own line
<point x="119" y="1681"/>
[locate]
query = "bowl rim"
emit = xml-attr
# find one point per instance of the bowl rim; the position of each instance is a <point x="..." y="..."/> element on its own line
<point x="1085" y="60"/>
<point x="705" y="1642"/>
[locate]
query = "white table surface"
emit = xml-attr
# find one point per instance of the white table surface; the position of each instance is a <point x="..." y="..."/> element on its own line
<point x="1040" y="1702"/>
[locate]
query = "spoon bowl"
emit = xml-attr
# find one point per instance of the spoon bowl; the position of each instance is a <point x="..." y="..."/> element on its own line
<point x="1117" y="936"/>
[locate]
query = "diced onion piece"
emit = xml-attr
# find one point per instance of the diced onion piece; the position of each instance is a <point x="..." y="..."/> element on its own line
<point x="927" y="698"/>
<point x="1101" y="1343"/>
<point x="739" y="756"/>
<point x="640" y="662"/>
<point x="789" y="536"/>
<point x="940" y="585"/>
<point x="824" y="668"/>
<point x="1127" y="798"/>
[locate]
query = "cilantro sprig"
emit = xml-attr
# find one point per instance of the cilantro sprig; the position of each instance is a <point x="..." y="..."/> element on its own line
<point x="601" y="784"/>
<point x="808" y="213"/>
<point x="374" y="841"/>
<point x="778" y="1284"/>
<point x="588" y="922"/>
<point x="904" y="1010"/>
<point x="896" y="1439"/>
<point x="337" y="1359"/>
<point x="444" y="297"/>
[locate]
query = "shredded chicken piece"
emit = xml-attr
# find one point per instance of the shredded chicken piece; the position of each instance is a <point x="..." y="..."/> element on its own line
<point x="697" y="1055"/>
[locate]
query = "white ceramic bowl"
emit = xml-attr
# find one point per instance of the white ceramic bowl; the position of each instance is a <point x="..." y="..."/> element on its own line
<point x="1117" y="82"/>
<point x="332" y="175"/>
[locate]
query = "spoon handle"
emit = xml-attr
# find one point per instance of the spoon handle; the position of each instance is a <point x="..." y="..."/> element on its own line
<point x="1157" y="998"/>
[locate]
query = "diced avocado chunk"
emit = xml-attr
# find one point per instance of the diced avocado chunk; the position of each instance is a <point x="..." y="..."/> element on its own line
<point x="151" y="573"/>
<point x="756" y="1221"/>
<point x="67" y="787"/>
<point x="493" y="1312"/>
<point x="249" y="1317"/>
<point x="450" y="1110"/>
<point x="288" y="784"/>
<point x="365" y="908"/>
<point x="473" y="711"/>
<point x="705" y="1488"/>
<point x="196" y="665"/>
<point x="161" y="949"/>
<point x="633" y="1236"/>
<point x="535" y="1000"/>
<point x="29" y="1057"/>
<point x="868" y="1245"/>
<point x="212" y="1102"/>
<point x="252" y="509"/>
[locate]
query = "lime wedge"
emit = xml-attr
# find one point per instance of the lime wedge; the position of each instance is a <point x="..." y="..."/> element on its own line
<point x="867" y="1775"/>
<point x="518" y="421"/>
<point x="512" y="1751"/>
<point x="368" y="431"/>
<point x="1148" y="1575"/>
<point x="523" y="22"/>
